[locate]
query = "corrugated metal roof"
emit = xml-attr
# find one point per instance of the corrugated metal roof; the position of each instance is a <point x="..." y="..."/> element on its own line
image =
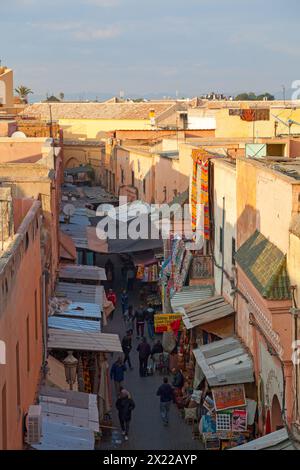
<point x="69" y="407"/>
<point x="83" y="293"/>
<point x="81" y="310"/>
<point x="83" y="272"/>
<point x="277" y="440"/>
<point x="225" y="362"/>
<point x="77" y="233"/>
<point x="190" y="294"/>
<point x="59" y="436"/>
<point x="73" y="324"/>
<point x="83" y="341"/>
<point x="78" y="219"/>
<point x="205" y="311"/>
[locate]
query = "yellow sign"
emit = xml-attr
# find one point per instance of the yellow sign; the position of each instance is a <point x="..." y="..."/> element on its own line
<point x="167" y="322"/>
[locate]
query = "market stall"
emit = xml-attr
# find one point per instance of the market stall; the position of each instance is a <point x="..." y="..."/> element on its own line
<point x="228" y="403"/>
<point x="88" y="350"/>
<point x="147" y="275"/>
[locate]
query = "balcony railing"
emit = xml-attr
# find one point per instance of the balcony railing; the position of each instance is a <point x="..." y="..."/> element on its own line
<point x="201" y="267"/>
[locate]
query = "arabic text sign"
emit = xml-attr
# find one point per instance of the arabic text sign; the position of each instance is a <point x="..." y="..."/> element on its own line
<point x="163" y="322"/>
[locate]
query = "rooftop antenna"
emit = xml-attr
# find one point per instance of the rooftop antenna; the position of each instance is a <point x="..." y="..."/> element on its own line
<point x="283" y="91"/>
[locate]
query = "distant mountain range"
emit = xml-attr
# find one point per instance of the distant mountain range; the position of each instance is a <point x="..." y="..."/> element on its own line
<point x="103" y="96"/>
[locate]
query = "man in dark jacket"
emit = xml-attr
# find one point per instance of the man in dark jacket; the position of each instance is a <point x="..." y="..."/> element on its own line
<point x="166" y="394"/>
<point x="149" y="316"/>
<point x="127" y="346"/>
<point x="117" y="374"/>
<point x="140" y="321"/>
<point x="125" y="405"/>
<point x="157" y="348"/>
<point x="144" y="351"/>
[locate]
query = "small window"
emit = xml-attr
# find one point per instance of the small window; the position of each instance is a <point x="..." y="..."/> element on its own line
<point x="144" y="185"/>
<point x="233" y="251"/>
<point x="132" y="178"/>
<point x="221" y="240"/>
<point x="122" y="176"/>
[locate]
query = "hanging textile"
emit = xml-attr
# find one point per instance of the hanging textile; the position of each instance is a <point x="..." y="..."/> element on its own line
<point x="205" y="198"/>
<point x="200" y="162"/>
<point x="251" y="114"/>
<point x="194" y="193"/>
<point x="80" y="375"/>
<point x="86" y="374"/>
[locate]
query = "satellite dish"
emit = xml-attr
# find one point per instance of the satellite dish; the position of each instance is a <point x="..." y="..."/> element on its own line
<point x="18" y="135"/>
<point x="69" y="209"/>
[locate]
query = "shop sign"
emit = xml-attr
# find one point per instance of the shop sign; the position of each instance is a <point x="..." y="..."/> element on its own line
<point x="239" y="420"/>
<point x="229" y="396"/>
<point x="167" y="322"/>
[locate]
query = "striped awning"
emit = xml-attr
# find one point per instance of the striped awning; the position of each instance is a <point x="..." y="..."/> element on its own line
<point x="205" y="311"/>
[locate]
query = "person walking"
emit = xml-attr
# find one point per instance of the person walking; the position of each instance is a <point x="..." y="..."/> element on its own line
<point x="157" y="348"/>
<point x="129" y="319"/>
<point x="109" y="271"/>
<point x="117" y="374"/>
<point x="144" y="351"/>
<point x="140" y="321"/>
<point x="124" y="301"/>
<point x="130" y="277"/>
<point x="149" y="316"/>
<point x="166" y="394"/>
<point x="178" y="380"/>
<point x="111" y="296"/>
<point x="125" y="405"/>
<point x="156" y="351"/>
<point x="127" y="347"/>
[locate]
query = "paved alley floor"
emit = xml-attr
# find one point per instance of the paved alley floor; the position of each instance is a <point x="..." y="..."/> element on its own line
<point x="146" y="429"/>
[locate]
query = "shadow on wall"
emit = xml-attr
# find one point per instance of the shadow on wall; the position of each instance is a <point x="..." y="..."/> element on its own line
<point x="155" y="180"/>
<point x="247" y="223"/>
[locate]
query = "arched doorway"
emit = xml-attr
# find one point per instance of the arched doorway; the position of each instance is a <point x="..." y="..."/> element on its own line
<point x="72" y="163"/>
<point x="276" y="418"/>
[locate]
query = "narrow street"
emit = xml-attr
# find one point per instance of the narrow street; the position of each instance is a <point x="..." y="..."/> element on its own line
<point x="146" y="429"/>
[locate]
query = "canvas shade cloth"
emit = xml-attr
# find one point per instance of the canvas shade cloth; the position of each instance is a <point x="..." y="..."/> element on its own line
<point x="119" y="245"/>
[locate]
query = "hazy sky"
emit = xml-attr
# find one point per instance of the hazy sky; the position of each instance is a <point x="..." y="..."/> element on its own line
<point x="140" y="46"/>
